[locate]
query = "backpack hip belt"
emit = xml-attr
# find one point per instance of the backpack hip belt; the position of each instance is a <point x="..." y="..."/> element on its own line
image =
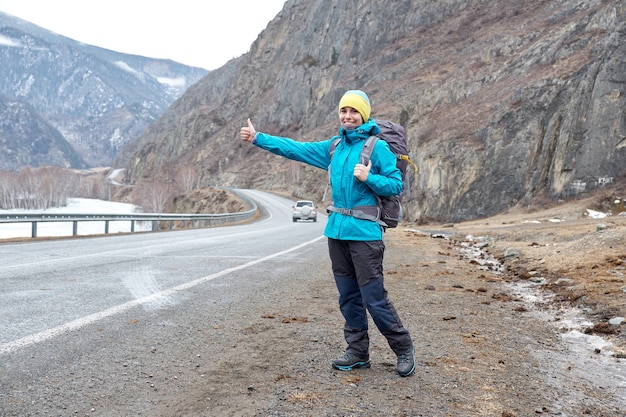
<point x="371" y="213"/>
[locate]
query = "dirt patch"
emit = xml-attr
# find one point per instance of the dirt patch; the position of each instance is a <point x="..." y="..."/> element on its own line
<point x="581" y="260"/>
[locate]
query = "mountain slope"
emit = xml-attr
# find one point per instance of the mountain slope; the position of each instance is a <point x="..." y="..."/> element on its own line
<point x="27" y="139"/>
<point x="97" y="99"/>
<point x="505" y="102"/>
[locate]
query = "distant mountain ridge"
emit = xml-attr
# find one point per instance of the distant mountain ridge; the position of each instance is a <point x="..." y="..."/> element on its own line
<point x="97" y="100"/>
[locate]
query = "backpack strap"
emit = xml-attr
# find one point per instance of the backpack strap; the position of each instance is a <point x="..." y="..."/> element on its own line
<point x="333" y="146"/>
<point x="371" y="213"/>
<point x="406" y="158"/>
<point x="368" y="147"/>
<point x="366" y="151"/>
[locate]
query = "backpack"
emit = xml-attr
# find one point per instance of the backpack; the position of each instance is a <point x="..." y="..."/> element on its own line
<point x="389" y="211"/>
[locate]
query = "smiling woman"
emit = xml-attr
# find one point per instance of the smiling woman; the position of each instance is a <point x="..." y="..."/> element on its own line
<point x="354" y="230"/>
<point x="178" y="30"/>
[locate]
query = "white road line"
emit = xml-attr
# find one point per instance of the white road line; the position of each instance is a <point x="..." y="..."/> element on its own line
<point x="92" y="318"/>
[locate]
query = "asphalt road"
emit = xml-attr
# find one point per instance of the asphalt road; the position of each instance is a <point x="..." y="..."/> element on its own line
<point x="61" y="297"/>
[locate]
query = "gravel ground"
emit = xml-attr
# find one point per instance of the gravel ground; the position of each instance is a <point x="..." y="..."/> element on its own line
<point x="524" y="334"/>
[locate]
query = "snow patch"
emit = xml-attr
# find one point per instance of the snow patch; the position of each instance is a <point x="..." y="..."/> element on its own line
<point x="172" y="82"/>
<point x="125" y="67"/>
<point x="4" y="41"/>
<point x="74" y="206"/>
<point x="592" y="214"/>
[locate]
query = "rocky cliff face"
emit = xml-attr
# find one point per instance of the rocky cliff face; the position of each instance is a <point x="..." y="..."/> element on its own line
<point x="96" y="99"/>
<point x="504" y="101"/>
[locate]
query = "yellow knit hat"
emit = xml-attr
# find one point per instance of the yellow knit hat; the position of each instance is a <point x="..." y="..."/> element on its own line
<point x="359" y="101"/>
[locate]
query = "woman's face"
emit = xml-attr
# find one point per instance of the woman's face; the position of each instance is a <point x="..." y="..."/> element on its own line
<point x="350" y="118"/>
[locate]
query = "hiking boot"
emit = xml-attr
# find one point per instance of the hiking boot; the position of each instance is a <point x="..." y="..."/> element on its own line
<point x="406" y="363"/>
<point x="350" y="361"/>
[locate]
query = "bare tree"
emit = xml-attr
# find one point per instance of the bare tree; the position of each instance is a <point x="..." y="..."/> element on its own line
<point x="294" y="171"/>
<point x="28" y="188"/>
<point x="50" y="186"/>
<point x="8" y="190"/>
<point x="53" y="187"/>
<point x="153" y="195"/>
<point x="100" y="188"/>
<point x="188" y="178"/>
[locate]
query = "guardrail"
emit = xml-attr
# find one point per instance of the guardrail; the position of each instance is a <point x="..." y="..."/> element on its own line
<point x="188" y="220"/>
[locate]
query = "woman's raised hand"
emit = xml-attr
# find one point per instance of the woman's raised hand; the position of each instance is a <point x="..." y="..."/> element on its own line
<point x="247" y="133"/>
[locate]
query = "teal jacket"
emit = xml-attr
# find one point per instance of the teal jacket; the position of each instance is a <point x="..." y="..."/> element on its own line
<point x="348" y="192"/>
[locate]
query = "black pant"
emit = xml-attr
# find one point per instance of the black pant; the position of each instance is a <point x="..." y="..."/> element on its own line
<point x="358" y="271"/>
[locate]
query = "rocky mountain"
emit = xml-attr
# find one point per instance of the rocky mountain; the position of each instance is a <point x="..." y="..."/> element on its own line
<point x="97" y="100"/>
<point x="506" y="102"/>
<point x="26" y="132"/>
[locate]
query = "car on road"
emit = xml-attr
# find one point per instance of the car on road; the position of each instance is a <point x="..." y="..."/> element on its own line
<point x="304" y="210"/>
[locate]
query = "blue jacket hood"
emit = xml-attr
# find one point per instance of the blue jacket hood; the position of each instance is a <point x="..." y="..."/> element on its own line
<point x="367" y="129"/>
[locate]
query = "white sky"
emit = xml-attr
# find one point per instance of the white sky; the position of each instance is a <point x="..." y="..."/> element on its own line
<point x="201" y="33"/>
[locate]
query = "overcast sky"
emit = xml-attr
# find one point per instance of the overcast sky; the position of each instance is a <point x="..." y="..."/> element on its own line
<point x="201" y="33"/>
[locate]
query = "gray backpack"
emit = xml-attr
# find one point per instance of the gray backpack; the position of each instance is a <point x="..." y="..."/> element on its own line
<point x="388" y="213"/>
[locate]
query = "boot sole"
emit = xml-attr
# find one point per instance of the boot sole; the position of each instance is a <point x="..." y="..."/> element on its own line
<point x="353" y="366"/>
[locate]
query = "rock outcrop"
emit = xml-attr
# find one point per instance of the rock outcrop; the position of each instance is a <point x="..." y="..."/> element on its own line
<point x="505" y="102"/>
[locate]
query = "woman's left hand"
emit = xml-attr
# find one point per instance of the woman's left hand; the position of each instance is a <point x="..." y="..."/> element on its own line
<point x="361" y="172"/>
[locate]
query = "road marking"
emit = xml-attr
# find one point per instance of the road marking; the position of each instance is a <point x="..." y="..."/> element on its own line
<point x="92" y="318"/>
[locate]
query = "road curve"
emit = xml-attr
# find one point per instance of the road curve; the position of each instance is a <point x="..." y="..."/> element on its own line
<point x="50" y="287"/>
<point x="63" y="300"/>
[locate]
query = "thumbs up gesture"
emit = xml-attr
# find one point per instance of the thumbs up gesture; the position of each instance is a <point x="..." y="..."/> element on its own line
<point x="248" y="132"/>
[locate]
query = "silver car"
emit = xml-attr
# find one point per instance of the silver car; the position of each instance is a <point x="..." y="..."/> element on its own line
<point x="304" y="210"/>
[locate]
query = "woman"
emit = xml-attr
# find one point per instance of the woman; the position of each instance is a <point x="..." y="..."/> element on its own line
<point x="355" y="245"/>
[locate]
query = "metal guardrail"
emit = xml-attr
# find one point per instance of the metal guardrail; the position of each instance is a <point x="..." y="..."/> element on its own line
<point x="188" y="220"/>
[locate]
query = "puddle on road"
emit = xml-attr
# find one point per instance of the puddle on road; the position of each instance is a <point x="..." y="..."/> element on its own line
<point x="584" y="364"/>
